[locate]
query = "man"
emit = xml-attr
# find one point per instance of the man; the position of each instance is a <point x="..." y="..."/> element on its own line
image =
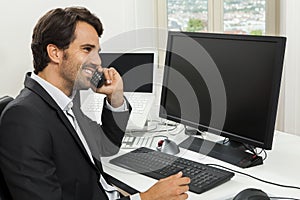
<point x="48" y="148"/>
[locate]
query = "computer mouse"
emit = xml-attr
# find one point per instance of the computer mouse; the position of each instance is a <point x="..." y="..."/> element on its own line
<point x="168" y="146"/>
<point x="251" y="194"/>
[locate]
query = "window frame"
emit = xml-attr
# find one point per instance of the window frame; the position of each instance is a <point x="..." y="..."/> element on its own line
<point x="216" y="13"/>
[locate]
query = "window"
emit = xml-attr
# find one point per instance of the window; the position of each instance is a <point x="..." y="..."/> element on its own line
<point x="188" y="15"/>
<point x="256" y="17"/>
<point x="245" y="16"/>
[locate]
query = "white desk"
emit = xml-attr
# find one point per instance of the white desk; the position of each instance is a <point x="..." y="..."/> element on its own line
<point x="282" y="166"/>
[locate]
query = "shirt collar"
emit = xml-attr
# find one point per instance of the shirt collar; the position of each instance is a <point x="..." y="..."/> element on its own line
<point x="63" y="101"/>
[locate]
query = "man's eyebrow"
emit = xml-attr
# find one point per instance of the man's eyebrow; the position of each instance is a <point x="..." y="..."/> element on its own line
<point x="91" y="46"/>
<point x="88" y="45"/>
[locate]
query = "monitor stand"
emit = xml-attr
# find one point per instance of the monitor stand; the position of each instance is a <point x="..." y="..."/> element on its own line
<point x="226" y="153"/>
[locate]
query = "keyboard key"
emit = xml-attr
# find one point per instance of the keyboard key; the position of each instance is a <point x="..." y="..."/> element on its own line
<point x="133" y="142"/>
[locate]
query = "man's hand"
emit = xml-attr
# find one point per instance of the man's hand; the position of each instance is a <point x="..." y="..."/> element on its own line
<point x="171" y="188"/>
<point x="113" y="87"/>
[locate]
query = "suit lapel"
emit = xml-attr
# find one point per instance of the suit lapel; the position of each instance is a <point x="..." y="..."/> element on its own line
<point x="40" y="91"/>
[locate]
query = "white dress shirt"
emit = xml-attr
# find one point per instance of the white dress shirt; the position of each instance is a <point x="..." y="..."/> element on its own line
<point x="65" y="103"/>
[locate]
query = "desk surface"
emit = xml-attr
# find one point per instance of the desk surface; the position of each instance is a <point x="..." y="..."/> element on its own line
<point x="281" y="166"/>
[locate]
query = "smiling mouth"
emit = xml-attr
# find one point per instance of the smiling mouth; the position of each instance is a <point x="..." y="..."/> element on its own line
<point x="89" y="71"/>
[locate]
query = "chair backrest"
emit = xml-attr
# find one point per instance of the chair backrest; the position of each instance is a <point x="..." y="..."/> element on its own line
<point x="4" y="193"/>
<point x="4" y="101"/>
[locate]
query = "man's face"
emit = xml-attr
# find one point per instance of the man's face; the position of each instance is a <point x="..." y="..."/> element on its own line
<point x="81" y="58"/>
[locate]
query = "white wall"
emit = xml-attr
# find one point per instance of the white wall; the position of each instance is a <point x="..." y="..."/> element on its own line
<point x="291" y="85"/>
<point x="18" y="18"/>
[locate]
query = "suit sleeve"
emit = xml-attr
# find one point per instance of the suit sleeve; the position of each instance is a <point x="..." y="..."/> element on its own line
<point x="25" y="152"/>
<point x="109" y="135"/>
<point x="114" y="124"/>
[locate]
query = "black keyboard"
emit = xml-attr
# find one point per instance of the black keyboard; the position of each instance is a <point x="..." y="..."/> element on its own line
<point x="159" y="165"/>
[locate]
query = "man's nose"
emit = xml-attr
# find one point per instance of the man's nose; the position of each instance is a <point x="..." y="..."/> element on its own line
<point x="95" y="59"/>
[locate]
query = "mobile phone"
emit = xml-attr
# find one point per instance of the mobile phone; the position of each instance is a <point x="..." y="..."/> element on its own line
<point x="97" y="79"/>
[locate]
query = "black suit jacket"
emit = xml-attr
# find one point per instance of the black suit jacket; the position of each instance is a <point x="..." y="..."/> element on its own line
<point x="41" y="155"/>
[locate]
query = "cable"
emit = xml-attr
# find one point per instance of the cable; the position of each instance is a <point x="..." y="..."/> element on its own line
<point x="259" y="179"/>
<point x="154" y="130"/>
<point x="194" y="129"/>
<point x="266" y="155"/>
<point x="268" y="182"/>
<point x="250" y="148"/>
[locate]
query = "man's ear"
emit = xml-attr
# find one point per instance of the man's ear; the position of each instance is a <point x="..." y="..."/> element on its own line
<point x="54" y="53"/>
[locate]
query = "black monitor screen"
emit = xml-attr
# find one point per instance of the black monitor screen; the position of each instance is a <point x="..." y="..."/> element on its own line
<point x="136" y="69"/>
<point x="225" y="84"/>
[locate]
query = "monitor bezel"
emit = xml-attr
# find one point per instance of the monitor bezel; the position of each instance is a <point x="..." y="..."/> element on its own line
<point x="267" y="140"/>
<point x="154" y="52"/>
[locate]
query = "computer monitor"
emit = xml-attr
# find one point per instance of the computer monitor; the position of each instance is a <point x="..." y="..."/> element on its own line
<point x="136" y="69"/>
<point x="224" y="84"/>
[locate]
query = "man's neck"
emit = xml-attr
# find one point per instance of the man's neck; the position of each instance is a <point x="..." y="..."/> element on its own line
<point x="55" y="80"/>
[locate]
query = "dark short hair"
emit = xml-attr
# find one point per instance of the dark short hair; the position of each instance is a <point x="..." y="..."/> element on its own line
<point x="57" y="27"/>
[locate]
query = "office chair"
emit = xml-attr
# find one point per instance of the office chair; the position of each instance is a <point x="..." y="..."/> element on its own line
<point x="4" y="101"/>
<point x="4" y="193"/>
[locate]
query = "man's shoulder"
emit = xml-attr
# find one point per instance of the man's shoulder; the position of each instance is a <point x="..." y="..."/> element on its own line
<point x="26" y="102"/>
<point x="26" y="98"/>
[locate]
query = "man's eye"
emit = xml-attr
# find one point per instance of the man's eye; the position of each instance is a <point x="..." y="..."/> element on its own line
<point x="87" y="49"/>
